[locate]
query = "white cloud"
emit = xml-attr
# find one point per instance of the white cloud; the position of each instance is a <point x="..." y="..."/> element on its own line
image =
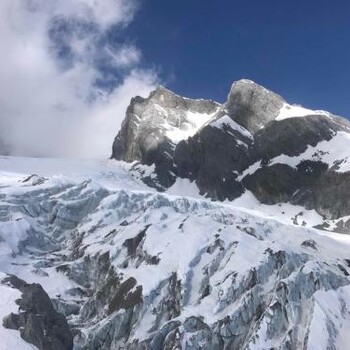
<point x="47" y="104"/>
<point x="125" y="56"/>
<point x="101" y="12"/>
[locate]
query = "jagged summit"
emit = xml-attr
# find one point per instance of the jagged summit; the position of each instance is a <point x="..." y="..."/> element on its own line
<point x="164" y="95"/>
<point x="169" y="99"/>
<point x="167" y="116"/>
<point x="251" y="105"/>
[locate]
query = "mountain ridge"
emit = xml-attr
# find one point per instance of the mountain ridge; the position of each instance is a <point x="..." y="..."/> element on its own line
<point x="254" y="126"/>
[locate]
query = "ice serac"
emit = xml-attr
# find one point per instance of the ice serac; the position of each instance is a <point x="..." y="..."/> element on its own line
<point x="138" y="269"/>
<point x="154" y="125"/>
<point x="251" y="105"/>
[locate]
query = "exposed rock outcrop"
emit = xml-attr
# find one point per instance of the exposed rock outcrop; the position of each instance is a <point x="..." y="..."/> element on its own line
<point x="38" y="321"/>
<point x="251" y="105"/>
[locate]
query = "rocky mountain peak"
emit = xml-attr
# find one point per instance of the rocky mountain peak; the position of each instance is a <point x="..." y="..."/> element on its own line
<point x="169" y="99"/>
<point x="154" y="125"/>
<point x="251" y="105"/>
<point x="164" y="96"/>
<point x="255" y="142"/>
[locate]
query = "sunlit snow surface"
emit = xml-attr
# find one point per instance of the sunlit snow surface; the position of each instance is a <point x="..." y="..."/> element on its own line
<point x="108" y="173"/>
<point x="184" y="225"/>
<point x="194" y="121"/>
<point x="227" y="121"/>
<point x="294" y="111"/>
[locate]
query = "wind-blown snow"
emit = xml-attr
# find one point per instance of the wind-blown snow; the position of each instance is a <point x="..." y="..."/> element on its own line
<point x="108" y="173"/>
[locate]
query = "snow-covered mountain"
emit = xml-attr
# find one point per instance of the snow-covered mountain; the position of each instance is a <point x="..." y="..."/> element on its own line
<point x="209" y="232"/>
<point x="256" y="142"/>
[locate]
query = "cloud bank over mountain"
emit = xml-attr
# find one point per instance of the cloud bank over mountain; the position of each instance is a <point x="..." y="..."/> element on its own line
<point x="68" y="73"/>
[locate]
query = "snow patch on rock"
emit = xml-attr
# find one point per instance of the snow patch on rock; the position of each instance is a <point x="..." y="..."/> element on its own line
<point x="331" y="152"/>
<point x="295" y="111"/>
<point x="193" y="122"/>
<point x="226" y="121"/>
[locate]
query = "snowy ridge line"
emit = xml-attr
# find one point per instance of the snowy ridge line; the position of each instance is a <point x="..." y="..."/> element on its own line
<point x="162" y="87"/>
<point x="295" y="111"/>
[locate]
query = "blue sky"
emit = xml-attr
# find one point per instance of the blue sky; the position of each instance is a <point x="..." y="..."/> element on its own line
<point x="298" y="48"/>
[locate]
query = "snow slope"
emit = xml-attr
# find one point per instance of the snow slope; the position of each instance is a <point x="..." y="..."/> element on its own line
<point x="194" y="121"/>
<point x="227" y="121"/>
<point x="295" y="111"/>
<point x="109" y="173"/>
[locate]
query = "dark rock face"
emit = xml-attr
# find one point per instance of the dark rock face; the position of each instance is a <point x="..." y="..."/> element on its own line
<point x="213" y="158"/>
<point x="292" y="136"/>
<point x="38" y="322"/>
<point x="311" y="185"/>
<point x="273" y="184"/>
<point x="329" y="195"/>
<point x="246" y="130"/>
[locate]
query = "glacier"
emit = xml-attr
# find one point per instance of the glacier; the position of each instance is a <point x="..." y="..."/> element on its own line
<point x="133" y="268"/>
